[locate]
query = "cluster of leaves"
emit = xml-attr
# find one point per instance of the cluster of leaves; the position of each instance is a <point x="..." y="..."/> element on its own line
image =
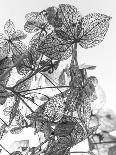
<point x="58" y="31"/>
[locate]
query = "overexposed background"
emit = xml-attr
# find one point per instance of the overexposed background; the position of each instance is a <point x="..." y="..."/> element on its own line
<point x="103" y="55"/>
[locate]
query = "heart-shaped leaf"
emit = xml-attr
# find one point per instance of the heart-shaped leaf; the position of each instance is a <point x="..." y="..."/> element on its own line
<point x="95" y="27"/>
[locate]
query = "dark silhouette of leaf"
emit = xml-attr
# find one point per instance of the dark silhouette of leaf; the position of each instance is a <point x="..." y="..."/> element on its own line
<point x="9" y="28"/>
<point x="95" y="27"/>
<point x="18" y="35"/>
<point x="53" y="47"/>
<point x="16" y="130"/>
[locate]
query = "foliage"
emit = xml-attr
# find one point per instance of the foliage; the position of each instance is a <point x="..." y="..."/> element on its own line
<point x="64" y="118"/>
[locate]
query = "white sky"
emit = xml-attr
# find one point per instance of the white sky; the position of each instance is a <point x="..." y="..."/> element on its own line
<point x="103" y="55"/>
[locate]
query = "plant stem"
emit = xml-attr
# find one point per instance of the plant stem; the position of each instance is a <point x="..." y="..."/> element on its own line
<point x="44" y="88"/>
<point x="106" y="142"/>
<point x="79" y="152"/>
<point x="5" y="149"/>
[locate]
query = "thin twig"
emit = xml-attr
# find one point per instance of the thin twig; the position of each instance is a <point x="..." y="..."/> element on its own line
<point x="5" y="149"/>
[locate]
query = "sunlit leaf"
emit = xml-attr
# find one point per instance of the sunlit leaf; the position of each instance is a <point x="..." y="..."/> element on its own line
<point x="95" y="27"/>
<point x="9" y="28"/>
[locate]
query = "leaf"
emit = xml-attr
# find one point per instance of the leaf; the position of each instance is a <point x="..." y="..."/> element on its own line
<point x="14" y="111"/>
<point x="16" y="153"/>
<point x="107" y="119"/>
<point x="3" y="95"/>
<point x="112" y="150"/>
<point x="24" y="86"/>
<point x="18" y="35"/>
<point x="34" y="45"/>
<point x="84" y="66"/>
<point x="51" y="14"/>
<point x="31" y="16"/>
<point x="20" y="120"/>
<point x="59" y="145"/>
<point x="95" y="27"/>
<point x="16" y="130"/>
<point x="53" y="47"/>
<point x="104" y="148"/>
<point x="70" y="18"/>
<point x="4" y="50"/>
<point x="78" y="134"/>
<point x="62" y="78"/>
<point x="64" y="128"/>
<point x="7" y="111"/>
<point x="35" y="22"/>
<point x="4" y="65"/>
<point x="9" y="28"/>
<point x="3" y="130"/>
<point x="19" y="49"/>
<point x="54" y="108"/>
